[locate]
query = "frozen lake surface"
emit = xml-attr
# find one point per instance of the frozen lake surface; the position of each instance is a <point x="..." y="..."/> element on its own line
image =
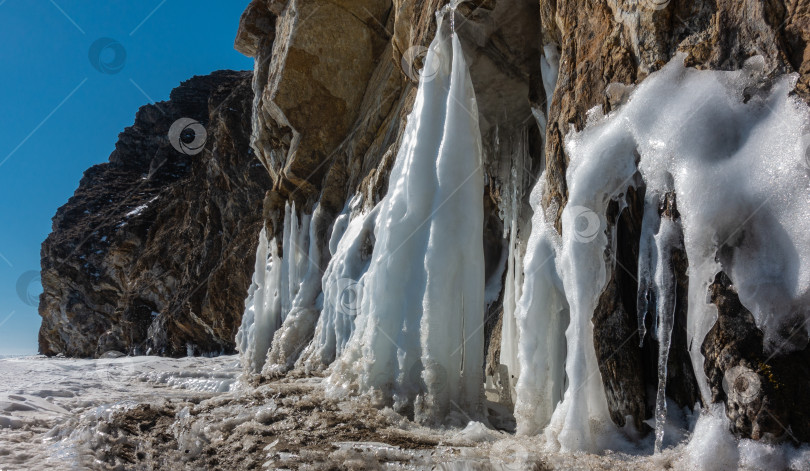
<point x="197" y="413"/>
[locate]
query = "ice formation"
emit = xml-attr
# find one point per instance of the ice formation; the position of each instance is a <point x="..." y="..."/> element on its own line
<point x="735" y="167"/>
<point x="418" y="340"/>
<point x="397" y="314"/>
<point x="277" y="289"/>
<point x="350" y="247"/>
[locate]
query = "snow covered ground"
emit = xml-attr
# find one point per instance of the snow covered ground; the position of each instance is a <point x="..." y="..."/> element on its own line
<point x="195" y="413"/>
<point x="46" y="405"/>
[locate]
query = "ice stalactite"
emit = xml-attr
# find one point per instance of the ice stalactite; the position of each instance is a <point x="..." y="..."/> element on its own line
<point x="660" y="236"/>
<point x="276" y="281"/>
<point x="262" y="314"/>
<point x="542" y="316"/>
<point x="597" y="174"/>
<point x="351" y="245"/>
<point x="515" y="152"/>
<point x="418" y="340"/>
<point x="303" y="290"/>
<point x="646" y="263"/>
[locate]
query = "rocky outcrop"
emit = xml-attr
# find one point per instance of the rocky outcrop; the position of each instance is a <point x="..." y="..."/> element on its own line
<point x="333" y="83"/>
<point x="154" y="251"/>
<point x="764" y="393"/>
<point x="518" y="53"/>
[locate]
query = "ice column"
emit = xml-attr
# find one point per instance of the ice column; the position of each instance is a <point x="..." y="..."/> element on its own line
<point x="418" y="339"/>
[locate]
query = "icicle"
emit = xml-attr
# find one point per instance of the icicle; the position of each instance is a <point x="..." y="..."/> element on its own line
<point x="342" y="290"/>
<point x="542" y="315"/>
<point x="454" y="261"/>
<point x="298" y="324"/>
<point x="667" y="239"/>
<point x="646" y="261"/>
<point x="262" y="314"/>
<point x="510" y="338"/>
<point x="418" y="339"/>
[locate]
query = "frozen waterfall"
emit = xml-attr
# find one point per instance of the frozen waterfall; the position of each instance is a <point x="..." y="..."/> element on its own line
<point x="397" y="315"/>
<point x="418" y="339"/>
<point x="738" y="171"/>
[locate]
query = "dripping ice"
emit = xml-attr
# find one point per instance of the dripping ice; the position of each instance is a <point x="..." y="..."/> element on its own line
<point x="399" y="273"/>
<point x="418" y="343"/>
<point x="737" y="172"/>
<point x="402" y="322"/>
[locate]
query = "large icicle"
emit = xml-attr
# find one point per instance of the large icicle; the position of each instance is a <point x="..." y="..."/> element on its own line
<point x="351" y="246"/>
<point x="418" y="339"/>
<point x="582" y="420"/>
<point x="667" y="239"/>
<point x="262" y="314"/>
<point x="542" y="316"/>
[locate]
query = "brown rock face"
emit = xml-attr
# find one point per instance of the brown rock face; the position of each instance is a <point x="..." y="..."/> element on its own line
<point x="764" y="393"/>
<point x="334" y="81"/>
<point x="155" y="249"/>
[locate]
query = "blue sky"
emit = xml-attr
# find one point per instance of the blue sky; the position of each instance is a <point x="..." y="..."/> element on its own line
<point x="60" y="115"/>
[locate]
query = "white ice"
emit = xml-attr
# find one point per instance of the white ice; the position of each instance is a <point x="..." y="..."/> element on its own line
<point x="418" y="339"/>
<point x="738" y="170"/>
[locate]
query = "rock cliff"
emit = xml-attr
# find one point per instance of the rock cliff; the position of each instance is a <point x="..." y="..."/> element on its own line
<point x="332" y="85"/>
<point x="329" y="118"/>
<point x="154" y="251"/>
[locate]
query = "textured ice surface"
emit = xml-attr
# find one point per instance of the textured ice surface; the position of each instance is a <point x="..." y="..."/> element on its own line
<point x="418" y="341"/>
<point x="733" y="154"/>
<point x="49" y="408"/>
<point x="350" y="245"/>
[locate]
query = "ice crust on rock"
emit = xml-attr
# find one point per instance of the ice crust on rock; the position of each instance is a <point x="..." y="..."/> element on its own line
<point x="396" y="315"/>
<point x="734" y="158"/>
